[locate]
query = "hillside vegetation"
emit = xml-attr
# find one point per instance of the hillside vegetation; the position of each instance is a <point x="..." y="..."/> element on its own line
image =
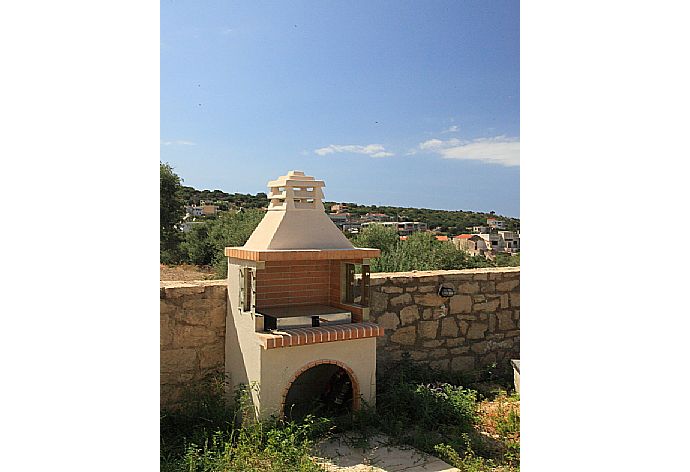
<point x="207" y="238"/>
<point x="451" y="222"/>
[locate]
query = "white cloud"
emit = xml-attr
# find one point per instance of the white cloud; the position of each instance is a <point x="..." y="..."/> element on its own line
<point x="451" y="129"/>
<point x="373" y="150"/>
<point x="179" y="142"/>
<point x="437" y="144"/>
<point x="497" y="150"/>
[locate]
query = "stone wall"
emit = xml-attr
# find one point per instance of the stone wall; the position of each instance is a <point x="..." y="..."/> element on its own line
<point x="476" y="327"/>
<point x="192" y="334"/>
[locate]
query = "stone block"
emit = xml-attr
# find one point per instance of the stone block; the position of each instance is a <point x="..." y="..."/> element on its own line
<point x="469" y="288"/>
<point x="480" y="276"/>
<point x="388" y="321"/>
<point x="165" y="331"/>
<point x="460" y="304"/>
<point x="409" y="314"/>
<point x="429" y="299"/>
<point x="432" y="344"/>
<point x="375" y="281"/>
<point x="212" y="357"/>
<point x="195" y="317"/>
<point x="488" y="359"/>
<point x="441" y="364"/>
<point x="216" y="292"/>
<point x="477" y="330"/>
<point x="405" y="336"/>
<point x="479" y="347"/>
<point x="449" y="328"/>
<point x="462" y="364"/>
<point x="505" y="321"/>
<point x="178" y="360"/>
<point x="512" y="333"/>
<point x="487" y="287"/>
<point x="404" y="299"/>
<point x="378" y="302"/>
<point x="168" y="307"/>
<point x="428" y="329"/>
<point x="464" y="326"/>
<point x="515" y="299"/>
<point x="459" y="350"/>
<point x="507" y="285"/>
<point x="392" y="289"/>
<point x="505" y="301"/>
<point x="489" y="306"/>
<point x="217" y="316"/>
<point x="427" y="289"/>
<point x="401" y="281"/>
<point x="492" y="322"/>
<point x="438" y="353"/>
<point x="192" y="336"/>
<point x="419" y="355"/>
<point x="455" y="342"/>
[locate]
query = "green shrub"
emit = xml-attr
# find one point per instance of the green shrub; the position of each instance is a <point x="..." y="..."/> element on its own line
<point x="205" y="243"/>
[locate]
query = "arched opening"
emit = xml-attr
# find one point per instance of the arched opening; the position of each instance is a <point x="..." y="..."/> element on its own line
<point x="325" y="389"/>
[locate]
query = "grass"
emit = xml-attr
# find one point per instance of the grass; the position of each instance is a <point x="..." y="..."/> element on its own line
<point x="474" y="428"/>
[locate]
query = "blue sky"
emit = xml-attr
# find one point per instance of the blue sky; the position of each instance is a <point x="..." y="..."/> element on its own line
<point x="391" y="103"/>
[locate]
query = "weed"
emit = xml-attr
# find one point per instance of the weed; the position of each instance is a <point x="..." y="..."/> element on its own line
<point x="416" y="405"/>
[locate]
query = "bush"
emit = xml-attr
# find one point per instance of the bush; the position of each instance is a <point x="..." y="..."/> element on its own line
<point x="420" y="251"/>
<point x="205" y="243"/>
<point x="209" y="435"/>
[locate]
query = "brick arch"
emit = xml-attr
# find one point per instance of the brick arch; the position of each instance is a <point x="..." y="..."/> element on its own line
<point x="356" y="400"/>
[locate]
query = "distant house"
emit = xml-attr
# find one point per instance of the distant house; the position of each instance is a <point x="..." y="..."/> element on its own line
<point x="201" y="210"/>
<point x="351" y="227"/>
<point x="478" y="229"/>
<point x="376" y="217"/>
<point x="493" y="241"/>
<point x="495" y="223"/>
<point x="338" y="208"/>
<point x="442" y="238"/>
<point x="339" y="218"/>
<point x="194" y="210"/>
<point x="511" y="241"/>
<point x="403" y="228"/>
<point x="472" y="243"/>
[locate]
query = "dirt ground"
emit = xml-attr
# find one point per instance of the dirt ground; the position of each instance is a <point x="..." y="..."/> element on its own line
<point x="186" y="272"/>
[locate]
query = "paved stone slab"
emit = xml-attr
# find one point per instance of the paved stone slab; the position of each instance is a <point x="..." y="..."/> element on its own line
<point x="339" y="455"/>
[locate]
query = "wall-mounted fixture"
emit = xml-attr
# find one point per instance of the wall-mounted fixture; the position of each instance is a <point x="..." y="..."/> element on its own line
<point x="446" y="291"/>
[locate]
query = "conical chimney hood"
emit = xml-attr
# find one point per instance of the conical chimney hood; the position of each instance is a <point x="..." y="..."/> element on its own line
<point x="296" y="219"/>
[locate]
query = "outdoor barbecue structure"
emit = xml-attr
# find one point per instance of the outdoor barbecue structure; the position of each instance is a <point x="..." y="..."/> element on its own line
<point x="298" y="330"/>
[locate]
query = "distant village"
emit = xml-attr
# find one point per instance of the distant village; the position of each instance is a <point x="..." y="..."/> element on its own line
<point x="484" y="240"/>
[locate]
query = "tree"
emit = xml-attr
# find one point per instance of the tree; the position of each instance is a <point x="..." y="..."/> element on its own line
<point x="172" y="212"/>
<point x="377" y="236"/>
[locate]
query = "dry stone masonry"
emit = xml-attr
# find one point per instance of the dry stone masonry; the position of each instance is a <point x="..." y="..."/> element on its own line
<point x="476" y="327"/>
<point x="192" y="334"/>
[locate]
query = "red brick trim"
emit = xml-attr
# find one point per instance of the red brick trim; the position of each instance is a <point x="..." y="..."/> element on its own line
<point x="301" y="254"/>
<point x="322" y="334"/>
<point x="356" y="400"/>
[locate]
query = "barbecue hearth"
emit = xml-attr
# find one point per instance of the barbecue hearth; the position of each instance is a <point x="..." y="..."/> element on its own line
<point x="298" y="320"/>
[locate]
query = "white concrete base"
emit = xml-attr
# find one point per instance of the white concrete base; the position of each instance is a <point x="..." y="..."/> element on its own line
<point x="336" y="455"/>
